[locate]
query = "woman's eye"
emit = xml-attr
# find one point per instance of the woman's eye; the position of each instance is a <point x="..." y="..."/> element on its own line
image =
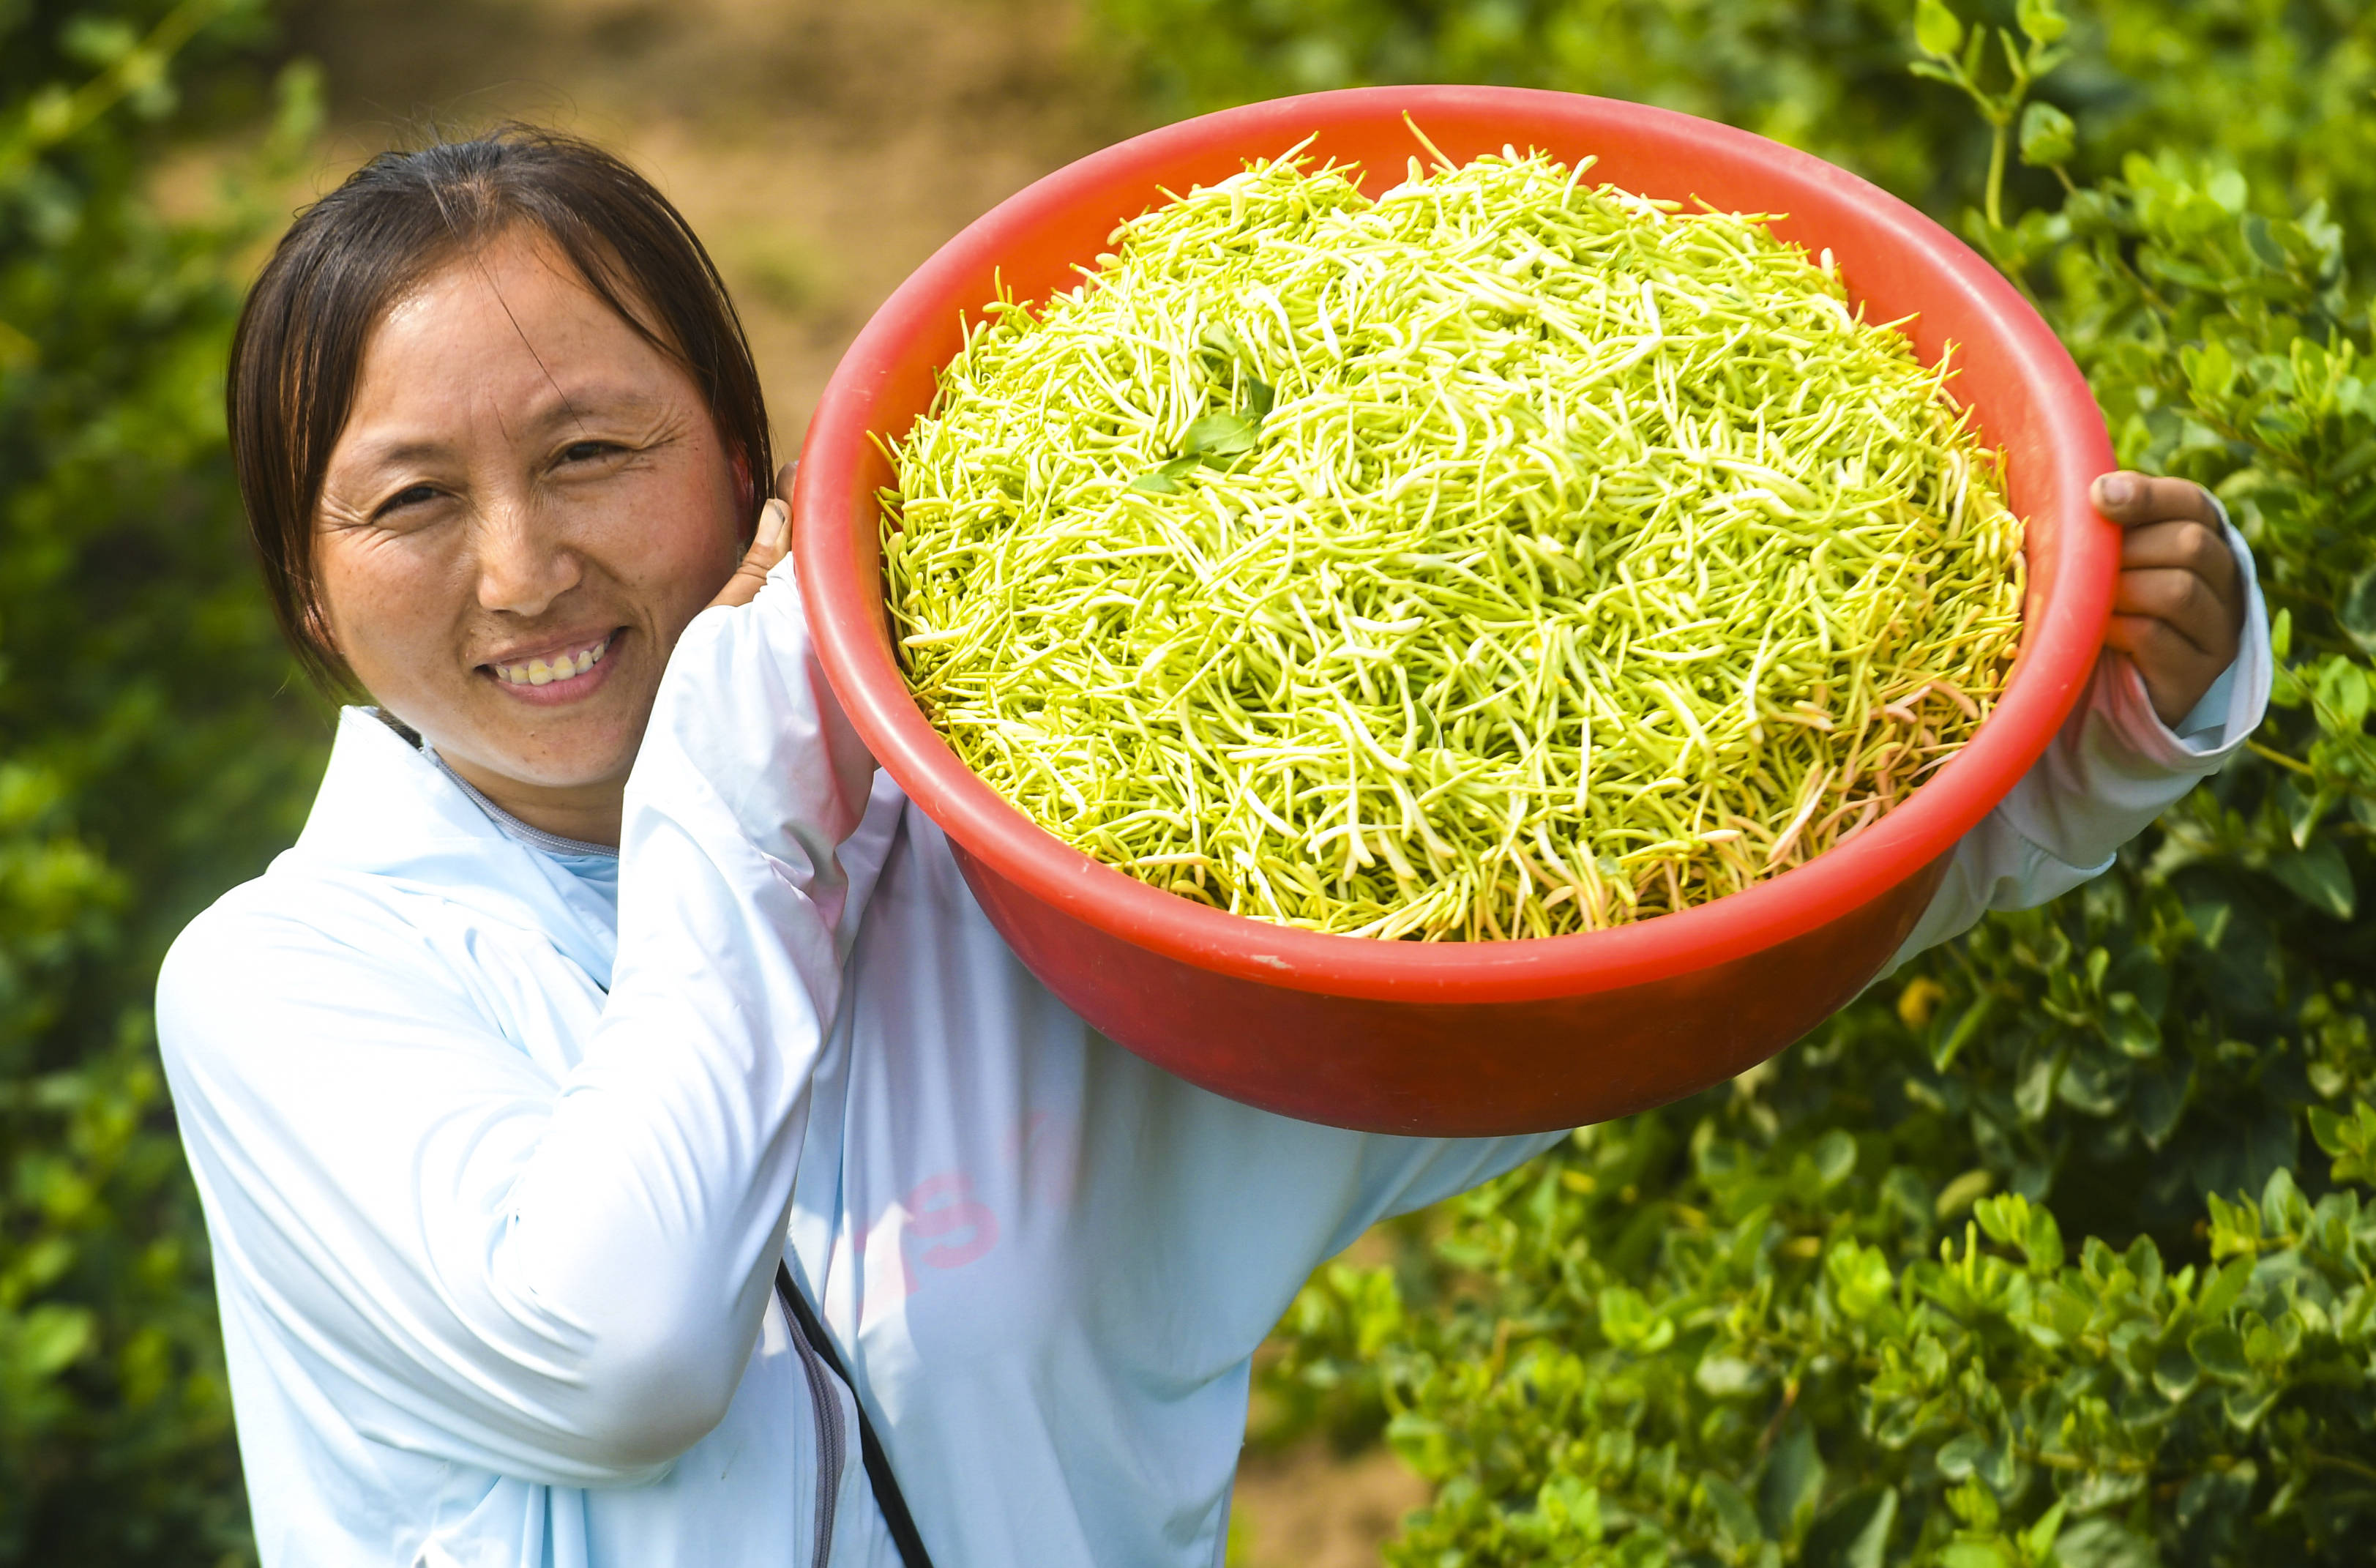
<point x="587" y="451"/>
<point x="410" y="495"/>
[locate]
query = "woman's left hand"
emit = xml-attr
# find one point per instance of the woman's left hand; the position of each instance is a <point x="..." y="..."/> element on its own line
<point x="2179" y="610"/>
<point x="767" y="544"/>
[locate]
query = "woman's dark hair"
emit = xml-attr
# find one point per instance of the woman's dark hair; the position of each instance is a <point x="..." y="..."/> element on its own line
<point x="351" y="256"/>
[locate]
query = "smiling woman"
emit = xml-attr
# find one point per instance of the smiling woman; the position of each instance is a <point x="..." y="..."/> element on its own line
<point x="502" y="555"/>
<point x="505" y="558"/>
<point x="609" y="997"/>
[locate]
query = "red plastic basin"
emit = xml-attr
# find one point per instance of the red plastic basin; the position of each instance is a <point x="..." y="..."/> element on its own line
<point x="1459" y="1038"/>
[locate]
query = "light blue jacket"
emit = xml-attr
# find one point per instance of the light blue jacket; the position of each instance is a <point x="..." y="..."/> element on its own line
<point x="497" y="1177"/>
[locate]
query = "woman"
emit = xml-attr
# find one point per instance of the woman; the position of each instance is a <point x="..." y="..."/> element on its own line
<point x="608" y="981"/>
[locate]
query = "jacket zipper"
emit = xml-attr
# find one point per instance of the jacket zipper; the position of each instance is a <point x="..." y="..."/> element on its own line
<point x="831" y="1441"/>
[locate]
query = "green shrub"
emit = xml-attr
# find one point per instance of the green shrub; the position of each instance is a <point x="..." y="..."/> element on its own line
<point x="1828" y="1314"/>
<point x="152" y="751"/>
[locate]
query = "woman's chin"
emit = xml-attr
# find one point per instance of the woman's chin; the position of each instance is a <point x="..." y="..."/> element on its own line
<point x="596" y="760"/>
<point x="582" y="732"/>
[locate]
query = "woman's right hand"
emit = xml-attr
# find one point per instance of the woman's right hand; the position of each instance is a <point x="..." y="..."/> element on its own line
<point x="769" y="543"/>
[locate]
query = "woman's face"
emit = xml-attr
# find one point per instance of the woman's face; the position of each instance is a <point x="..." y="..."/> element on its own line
<point x="527" y="505"/>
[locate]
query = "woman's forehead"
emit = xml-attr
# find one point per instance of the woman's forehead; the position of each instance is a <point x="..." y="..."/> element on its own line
<point x="514" y="329"/>
<point x="516" y="298"/>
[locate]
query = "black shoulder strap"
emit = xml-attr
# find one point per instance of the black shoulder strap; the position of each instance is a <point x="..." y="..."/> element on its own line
<point x="870" y="1447"/>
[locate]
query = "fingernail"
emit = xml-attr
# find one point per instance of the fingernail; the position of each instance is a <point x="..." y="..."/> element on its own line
<point x="2115" y="490"/>
<point x="774" y="522"/>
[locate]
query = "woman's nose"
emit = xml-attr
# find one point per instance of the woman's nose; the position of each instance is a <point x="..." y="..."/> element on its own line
<point x="523" y="561"/>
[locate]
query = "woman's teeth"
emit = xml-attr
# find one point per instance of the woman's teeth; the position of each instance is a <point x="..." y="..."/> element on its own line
<point x="543" y="672"/>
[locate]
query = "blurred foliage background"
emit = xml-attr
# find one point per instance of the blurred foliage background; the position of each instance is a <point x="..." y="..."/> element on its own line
<point x="152" y="751"/>
<point x="2055" y="1249"/>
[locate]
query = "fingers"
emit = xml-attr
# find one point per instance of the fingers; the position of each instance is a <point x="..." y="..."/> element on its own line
<point x="774" y="530"/>
<point x="767" y="547"/>
<point x="2184" y="602"/>
<point x="2129" y="499"/>
<point x="784" y="478"/>
<point x="2178" y="611"/>
<point x="2173" y="524"/>
<point x="2176" y="672"/>
<point x="2185" y="570"/>
<point x="2184" y="545"/>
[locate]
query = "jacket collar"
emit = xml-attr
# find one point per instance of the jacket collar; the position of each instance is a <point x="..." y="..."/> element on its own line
<point x="385" y="809"/>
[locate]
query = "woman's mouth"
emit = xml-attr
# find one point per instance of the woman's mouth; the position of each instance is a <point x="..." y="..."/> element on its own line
<point x="556" y="676"/>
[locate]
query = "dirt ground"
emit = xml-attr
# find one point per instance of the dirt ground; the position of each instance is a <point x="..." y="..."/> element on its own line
<point x="1307" y="1508"/>
<point x="822" y="148"/>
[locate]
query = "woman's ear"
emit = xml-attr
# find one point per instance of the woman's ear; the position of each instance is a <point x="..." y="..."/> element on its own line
<point x="328" y="668"/>
<point x="317" y="628"/>
<point x="749" y="491"/>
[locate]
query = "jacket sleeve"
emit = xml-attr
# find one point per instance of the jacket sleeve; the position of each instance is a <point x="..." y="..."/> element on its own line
<point x="558" y="1276"/>
<point x="2114" y="767"/>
